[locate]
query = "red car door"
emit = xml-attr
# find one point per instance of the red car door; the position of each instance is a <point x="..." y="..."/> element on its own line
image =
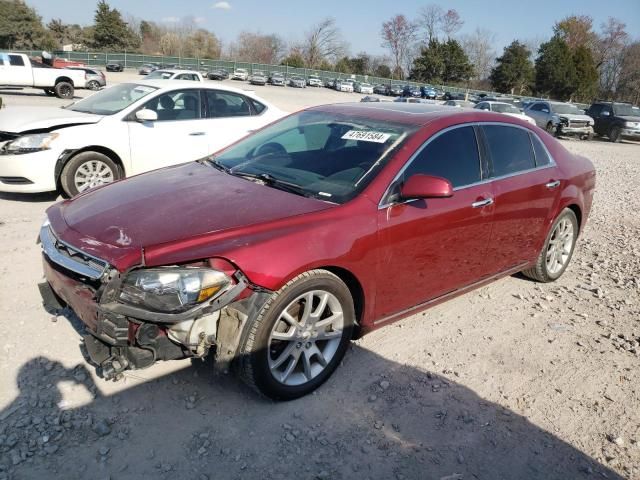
<point x="429" y="247"/>
<point x="525" y="184"/>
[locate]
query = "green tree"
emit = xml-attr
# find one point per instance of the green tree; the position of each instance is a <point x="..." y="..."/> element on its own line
<point x="382" y="71"/>
<point x="514" y="71"/>
<point x="344" y="65"/>
<point x="110" y="30"/>
<point x="59" y="31"/>
<point x="294" y="59"/>
<point x="586" y="74"/>
<point x="21" y="27"/>
<point x="555" y="69"/>
<point x="442" y="62"/>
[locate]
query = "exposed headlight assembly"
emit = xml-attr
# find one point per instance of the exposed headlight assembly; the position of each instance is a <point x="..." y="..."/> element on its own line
<point x="172" y="289"/>
<point x="29" y="143"/>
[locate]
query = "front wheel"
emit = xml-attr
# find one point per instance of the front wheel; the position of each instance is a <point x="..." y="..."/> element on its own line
<point x="558" y="249"/>
<point x="299" y="337"/>
<point x="551" y="129"/>
<point x="87" y="170"/>
<point x="614" y="134"/>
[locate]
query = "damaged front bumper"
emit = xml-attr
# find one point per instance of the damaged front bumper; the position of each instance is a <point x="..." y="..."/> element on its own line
<point x="123" y="336"/>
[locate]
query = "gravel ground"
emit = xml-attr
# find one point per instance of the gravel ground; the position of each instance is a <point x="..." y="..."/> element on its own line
<point x="513" y="381"/>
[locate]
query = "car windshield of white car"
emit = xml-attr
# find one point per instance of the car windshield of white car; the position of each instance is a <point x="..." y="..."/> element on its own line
<point x="112" y="100"/>
<point x="566" y="109"/>
<point x="504" y="108"/>
<point x="322" y="155"/>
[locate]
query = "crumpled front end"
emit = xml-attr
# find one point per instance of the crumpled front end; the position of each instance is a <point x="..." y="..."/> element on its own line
<point x="138" y="317"/>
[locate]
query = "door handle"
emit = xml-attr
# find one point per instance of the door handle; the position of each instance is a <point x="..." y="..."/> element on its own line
<point x="197" y="134"/>
<point x="482" y="203"/>
<point x="553" y="184"/>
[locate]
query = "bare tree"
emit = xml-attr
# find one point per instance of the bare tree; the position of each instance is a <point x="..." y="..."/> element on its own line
<point x="398" y="35"/>
<point x="629" y="80"/>
<point x="609" y="57"/>
<point x="323" y="42"/>
<point x="479" y="48"/>
<point x="430" y="20"/>
<point x="258" y="48"/>
<point x="451" y="22"/>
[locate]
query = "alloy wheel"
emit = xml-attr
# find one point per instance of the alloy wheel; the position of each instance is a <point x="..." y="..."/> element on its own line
<point x="92" y="174"/>
<point x="560" y="245"/>
<point x="305" y="337"/>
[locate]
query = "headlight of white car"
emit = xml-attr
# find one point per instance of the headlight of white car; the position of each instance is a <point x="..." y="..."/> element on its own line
<point x="172" y="289"/>
<point x="30" y="143"/>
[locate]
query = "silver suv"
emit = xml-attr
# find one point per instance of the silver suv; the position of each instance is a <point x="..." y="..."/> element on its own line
<point x="560" y="118"/>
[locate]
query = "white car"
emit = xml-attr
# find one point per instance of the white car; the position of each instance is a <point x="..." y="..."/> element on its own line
<point x="343" y="86"/>
<point x="175" y="75"/>
<point x="506" y="108"/>
<point x="123" y="130"/>
<point x="314" y="81"/>
<point x="365" y="88"/>
<point x="240" y="74"/>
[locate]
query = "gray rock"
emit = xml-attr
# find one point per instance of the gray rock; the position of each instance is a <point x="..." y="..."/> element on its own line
<point x="104" y="450"/>
<point x="384" y="384"/>
<point x="102" y="428"/>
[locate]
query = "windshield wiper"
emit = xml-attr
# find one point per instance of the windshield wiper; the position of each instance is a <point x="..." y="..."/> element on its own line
<point x="274" y="182"/>
<point x="216" y="164"/>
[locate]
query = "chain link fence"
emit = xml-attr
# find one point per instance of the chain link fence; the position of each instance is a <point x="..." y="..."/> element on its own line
<point x="136" y="60"/>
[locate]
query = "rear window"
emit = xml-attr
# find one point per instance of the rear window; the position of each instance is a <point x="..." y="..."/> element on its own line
<point x="542" y="157"/>
<point x="509" y="149"/>
<point x="16" y="61"/>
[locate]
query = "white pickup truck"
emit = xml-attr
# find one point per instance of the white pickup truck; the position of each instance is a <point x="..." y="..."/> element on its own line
<point x="18" y="70"/>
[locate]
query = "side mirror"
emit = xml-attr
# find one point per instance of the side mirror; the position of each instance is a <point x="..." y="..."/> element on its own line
<point x="426" y="186"/>
<point x="146" y="115"/>
<point x="545" y="110"/>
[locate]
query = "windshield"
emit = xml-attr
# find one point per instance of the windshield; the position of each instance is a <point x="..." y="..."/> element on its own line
<point x="504" y="108"/>
<point x="159" y="75"/>
<point x="112" y="100"/>
<point x="567" y="109"/>
<point x="323" y="155"/>
<point x="626" y="110"/>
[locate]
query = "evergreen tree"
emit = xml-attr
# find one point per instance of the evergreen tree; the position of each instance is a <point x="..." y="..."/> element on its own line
<point x="21" y="27"/>
<point x="442" y="62"/>
<point x="514" y="71"/>
<point x="110" y="31"/>
<point x="586" y="74"/>
<point x="555" y="70"/>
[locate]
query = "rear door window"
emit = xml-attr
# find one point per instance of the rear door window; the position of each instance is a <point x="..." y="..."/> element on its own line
<point x="452" y="155"/>
<point x="16" y="61"/>
<point x="222" y="104"/>
<point x="176" y="105"/>
<point x="542" y="157"/>
<point x="510" y="149"/>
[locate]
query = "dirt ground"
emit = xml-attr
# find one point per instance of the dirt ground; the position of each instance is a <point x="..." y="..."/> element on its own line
<point x="516" y="380"/>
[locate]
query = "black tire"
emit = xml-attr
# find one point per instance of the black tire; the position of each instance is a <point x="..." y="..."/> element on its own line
<point x="93" y="85"/>
<point x="68" y="174"/>
<point x="614" y="134"/>
<point x="551" y="129"/>
<point x="64" y="90"/>
<point x="253" y="364"/>
<point x="539" y="271"/>
<point x="50" y="92"/>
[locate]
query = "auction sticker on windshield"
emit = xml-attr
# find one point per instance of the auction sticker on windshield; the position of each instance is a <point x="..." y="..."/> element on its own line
<point x="376" y="137"/>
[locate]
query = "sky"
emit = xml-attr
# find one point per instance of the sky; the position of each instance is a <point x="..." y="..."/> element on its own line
<point x="360" y="22"/>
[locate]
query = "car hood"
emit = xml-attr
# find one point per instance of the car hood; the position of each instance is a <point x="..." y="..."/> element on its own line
<point x="22" y="119"/>
<point x="575" y="116"/>
<point x="119" y="221"/>
<point x="629" y="118"/>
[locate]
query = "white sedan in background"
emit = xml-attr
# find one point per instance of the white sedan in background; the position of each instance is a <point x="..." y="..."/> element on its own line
<point x="175" y="75"/>
<point x="506" y="108"/>
<point x="123" y="130"/>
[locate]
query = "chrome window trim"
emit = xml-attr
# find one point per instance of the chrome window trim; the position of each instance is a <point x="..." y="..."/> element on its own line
<point x="382" y="206"/>
<point x="49" y="241"/>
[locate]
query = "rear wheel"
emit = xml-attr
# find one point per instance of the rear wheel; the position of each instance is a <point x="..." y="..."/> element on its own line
<point x="63" y="90"/>
<point x="299" y="337"/>
<point x="558" y="249"/>
<point x="93" y="85"/>
<point x="88" y="170"/>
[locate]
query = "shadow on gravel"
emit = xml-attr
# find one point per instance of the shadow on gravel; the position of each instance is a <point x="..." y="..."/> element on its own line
<point x="374" y="419"/>
<point x="30" y="197"/>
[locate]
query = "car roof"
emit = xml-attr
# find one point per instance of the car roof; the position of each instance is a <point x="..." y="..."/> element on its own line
<point x="410" y="113"/>
<point x="494" y="102"/>
<point x="173" y="84"/>
<point x="175" y="71"/>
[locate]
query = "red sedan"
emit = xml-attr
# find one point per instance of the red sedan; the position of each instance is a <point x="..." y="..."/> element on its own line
<point x="272" y="255"/>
